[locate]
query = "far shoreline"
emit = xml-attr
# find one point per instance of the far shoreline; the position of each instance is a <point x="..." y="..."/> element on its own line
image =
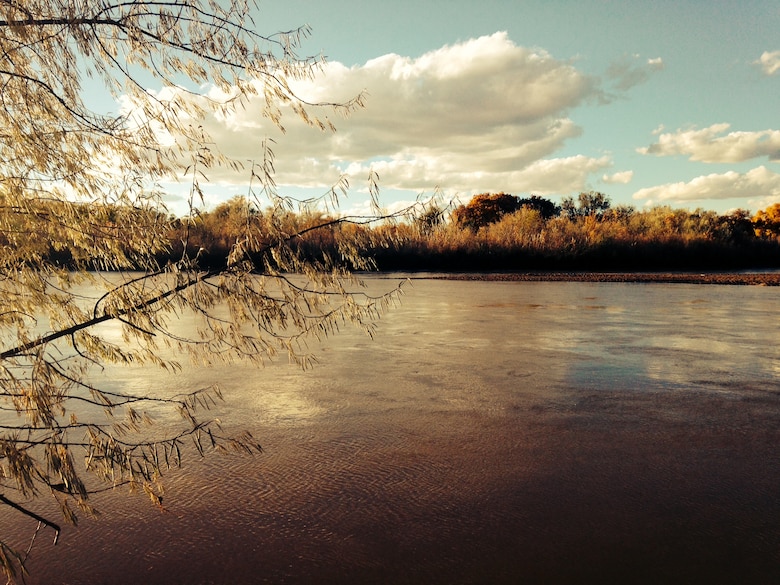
<point x="723" y="278"/>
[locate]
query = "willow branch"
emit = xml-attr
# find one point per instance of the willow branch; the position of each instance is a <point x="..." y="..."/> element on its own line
<point x="35" y="343"/>
<point x="32" y="515"/>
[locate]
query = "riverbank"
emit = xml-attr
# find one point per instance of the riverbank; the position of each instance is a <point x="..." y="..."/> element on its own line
<point x="726" y="278"/>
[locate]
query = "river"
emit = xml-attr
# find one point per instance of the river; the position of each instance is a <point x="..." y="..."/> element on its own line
<point x="491" y="432"/>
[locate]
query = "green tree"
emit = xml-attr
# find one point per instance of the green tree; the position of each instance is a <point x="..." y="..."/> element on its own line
<point x="79" y="190"/>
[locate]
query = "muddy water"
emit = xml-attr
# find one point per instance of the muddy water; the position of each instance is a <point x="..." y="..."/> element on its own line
<point x="490" y="433"/>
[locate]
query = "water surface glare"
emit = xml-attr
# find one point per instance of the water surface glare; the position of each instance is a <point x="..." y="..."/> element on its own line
<point x="492" y="432"/>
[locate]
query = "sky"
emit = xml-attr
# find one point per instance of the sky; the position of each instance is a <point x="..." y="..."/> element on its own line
<point x="652" y="103"/>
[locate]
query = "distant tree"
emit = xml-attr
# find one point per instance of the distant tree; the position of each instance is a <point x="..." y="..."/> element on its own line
<point x="485" y="209"/>
<point x="736" y="226"/>
<point x="621" y="213"/>
<point x="591" y="204"/>
<point x="80" y="181"/>
<point x="766" y="222"/>
<point x="429" y="219"/>
<point x="546" y="208"/>
<point x="594" y="203"/>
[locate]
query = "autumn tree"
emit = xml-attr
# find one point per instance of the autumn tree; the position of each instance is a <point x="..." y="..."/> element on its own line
<point x="485" y="209"/>
<point x="766" y="222"/>
<point x="86" y="183"/>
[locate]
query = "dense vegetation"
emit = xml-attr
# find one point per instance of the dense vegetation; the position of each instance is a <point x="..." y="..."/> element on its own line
<point x="505" y="232"/>
<point x="493" y="232"/>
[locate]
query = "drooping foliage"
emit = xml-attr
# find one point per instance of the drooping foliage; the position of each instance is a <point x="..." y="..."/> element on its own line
<point x="80" y="191"/>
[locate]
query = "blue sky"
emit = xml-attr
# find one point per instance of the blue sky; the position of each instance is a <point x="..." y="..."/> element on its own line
<point x="672" y="103"/>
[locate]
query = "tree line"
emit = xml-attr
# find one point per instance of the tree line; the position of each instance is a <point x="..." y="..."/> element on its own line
<point x="499" y="231"/>
<point x="495" y="231"/>
<point x="506" y="232"/>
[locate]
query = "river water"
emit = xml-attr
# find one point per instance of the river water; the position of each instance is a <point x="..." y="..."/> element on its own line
<point x="492" y="432"/>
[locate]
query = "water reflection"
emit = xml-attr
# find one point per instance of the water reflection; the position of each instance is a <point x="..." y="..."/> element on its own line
<point x="492" y="432"/>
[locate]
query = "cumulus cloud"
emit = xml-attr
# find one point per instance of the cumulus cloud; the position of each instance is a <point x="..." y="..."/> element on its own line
<point x="621" y="178"/>
<point x="560" y="175"/>
<point x="481" y="115"/>
<point x="712" y="145"/>
<point x="543" y="177"/>
<point x="752" y="185"/>
<point x="769" y="62"/>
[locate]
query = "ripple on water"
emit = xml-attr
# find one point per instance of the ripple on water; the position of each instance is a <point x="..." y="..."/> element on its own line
<point x="561" y="446"/>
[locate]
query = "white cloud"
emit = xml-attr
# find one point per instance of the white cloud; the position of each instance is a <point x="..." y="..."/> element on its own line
<point x="755" y="184"/>
<point x="543" y="177"/>
<point x="712" y="146"/>
<point x="560" y="175"/>
<point x="481" y="115"/>
<point x="623" y="178"/>
<point x="769" y="62"/>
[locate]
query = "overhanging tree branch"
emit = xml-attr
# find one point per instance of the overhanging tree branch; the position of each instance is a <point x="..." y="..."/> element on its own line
<point x="32" y="515"/>
<point x="79" y="190"/>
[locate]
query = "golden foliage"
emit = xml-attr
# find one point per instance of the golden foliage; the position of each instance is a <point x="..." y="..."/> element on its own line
<point x="767" y="222"/>
<point x="79" y="194"/>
